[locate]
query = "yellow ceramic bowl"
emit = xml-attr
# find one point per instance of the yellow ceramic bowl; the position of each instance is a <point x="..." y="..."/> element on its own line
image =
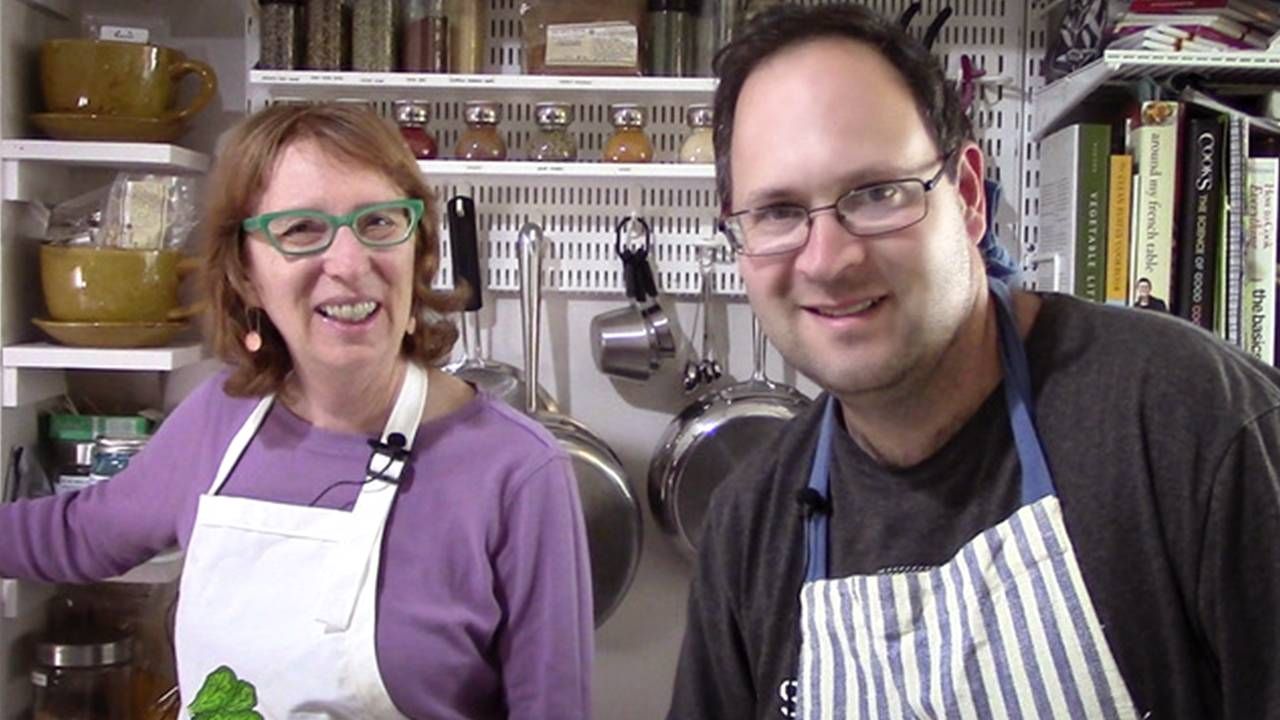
<point x="89" y="283"/>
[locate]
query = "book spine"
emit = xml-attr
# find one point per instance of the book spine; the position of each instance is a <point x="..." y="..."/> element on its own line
<point x="1155" y="155"/>
<point x="1091" y="211"/>
<point x="1233" y="273"/>
<point x="1120" y="196"/>
<point x="1259" y="299"/>
<point x="1054" y="263"/>
<point x="1201" y="206"/>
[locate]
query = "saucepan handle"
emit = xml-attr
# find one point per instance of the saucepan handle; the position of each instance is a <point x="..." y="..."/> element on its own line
<point x="529" y="251"/>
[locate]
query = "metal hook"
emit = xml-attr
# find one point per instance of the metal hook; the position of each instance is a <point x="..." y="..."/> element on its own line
<point x="935" y="27"/>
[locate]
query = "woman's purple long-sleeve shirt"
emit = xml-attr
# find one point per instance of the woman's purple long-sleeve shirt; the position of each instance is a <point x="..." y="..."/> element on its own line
<point x="484" y="600"/>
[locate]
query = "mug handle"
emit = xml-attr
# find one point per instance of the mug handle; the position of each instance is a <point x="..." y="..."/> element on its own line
<point x="186" y="266"/>
<point x="208" y="86"/>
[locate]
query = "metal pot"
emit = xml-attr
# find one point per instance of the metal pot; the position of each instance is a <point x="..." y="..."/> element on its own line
<point x="611" y="510"/>
<point x="497" y="378"/>
<point x="709" y="439"/>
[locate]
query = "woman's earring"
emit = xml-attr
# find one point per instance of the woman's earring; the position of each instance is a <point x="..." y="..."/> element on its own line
<point x="253" y="338"/>
<point x="413" y="325"/>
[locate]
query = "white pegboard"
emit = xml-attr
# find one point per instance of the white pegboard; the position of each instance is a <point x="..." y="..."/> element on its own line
<point x="1032" y="80"/>
<point x="579" y="215"/>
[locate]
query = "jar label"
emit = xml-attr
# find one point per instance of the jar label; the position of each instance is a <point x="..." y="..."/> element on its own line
<point x="609" y="44"/>
<point x="120" y="33"/>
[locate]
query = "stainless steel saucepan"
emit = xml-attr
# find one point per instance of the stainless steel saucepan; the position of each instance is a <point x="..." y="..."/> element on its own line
<point x="612" y="512"/>
<point x="499" y="379"/>
<point x="709" y="439"/>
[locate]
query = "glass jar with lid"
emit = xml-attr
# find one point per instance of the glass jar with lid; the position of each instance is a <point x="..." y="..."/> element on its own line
<point x="629" y="143"/>
<point x="481" y="141"/>
<point x="280" y="35"/>
<point x="328" y="39"/>
<point x="699" y="147"/>
<point x="111" y="455"/>
<point x="412" y="117"/>
<point x="552" y="142"/>
<point x="373" y="35"/>
<point x="90" y="677"/>
<point x="425" y="37"/>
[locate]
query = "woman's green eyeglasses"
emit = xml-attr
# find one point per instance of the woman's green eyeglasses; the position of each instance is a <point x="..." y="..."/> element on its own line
<point x="307" y="232"/>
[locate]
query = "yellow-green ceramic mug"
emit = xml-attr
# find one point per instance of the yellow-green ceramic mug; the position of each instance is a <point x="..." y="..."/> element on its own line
<point x="105" y="77"/>
<point x="91" y="283"/>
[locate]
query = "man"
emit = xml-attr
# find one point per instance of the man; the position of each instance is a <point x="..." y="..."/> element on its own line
<point x="1145" y="300"/>
<point x="1010" y="505"/>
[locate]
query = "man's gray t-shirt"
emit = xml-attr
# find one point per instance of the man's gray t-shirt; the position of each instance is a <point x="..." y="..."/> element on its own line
<point x="1164" y="446"/>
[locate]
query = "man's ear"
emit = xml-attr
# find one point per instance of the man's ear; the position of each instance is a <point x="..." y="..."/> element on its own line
<point x="971" y="173"/>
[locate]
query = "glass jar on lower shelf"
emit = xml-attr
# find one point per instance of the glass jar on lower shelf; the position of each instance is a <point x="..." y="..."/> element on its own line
<point x="552" y="141"/>
<point x="629" y="143"/>
<point x="481" y="141"/>
<point x="88" y="679"/>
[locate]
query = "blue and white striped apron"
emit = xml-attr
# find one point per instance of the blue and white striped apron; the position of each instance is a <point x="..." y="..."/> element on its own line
<point x="1005" y="629"/>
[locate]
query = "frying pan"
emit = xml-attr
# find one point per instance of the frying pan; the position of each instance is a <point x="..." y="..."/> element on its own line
<point x="610" y="509"/>
<point x="709" y="439"/>
<point x="497" y="378"/>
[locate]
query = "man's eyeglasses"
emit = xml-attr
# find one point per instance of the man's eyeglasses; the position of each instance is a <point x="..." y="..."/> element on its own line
<point x="307" y="232"/>
<point x="866" y="212"/>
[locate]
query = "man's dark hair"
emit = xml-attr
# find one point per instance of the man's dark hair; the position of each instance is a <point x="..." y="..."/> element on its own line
<point x="785" y="25"/>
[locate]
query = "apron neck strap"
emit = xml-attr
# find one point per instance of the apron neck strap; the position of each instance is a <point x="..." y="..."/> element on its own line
<point x="1036" y="480"/>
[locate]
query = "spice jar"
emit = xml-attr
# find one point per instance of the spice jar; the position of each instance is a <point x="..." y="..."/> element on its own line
<point x="280" y="35"/>
<point x="699" y="147"/>
<point x="481" y="141"/>
<point x="425" y="42"/>
<point x="468" y="34"/>
<point x="89" y="678"/>
<point x="328" y="34"/>
<point x="552" y="142"/>
<point x="628" y="144"/>
<point x="671" y="37"/>
<point x="412" y="117"/>
<point x="373" y="35"/>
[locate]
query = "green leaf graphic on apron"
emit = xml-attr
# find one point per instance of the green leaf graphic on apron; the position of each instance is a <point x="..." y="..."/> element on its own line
<point x="225" y="697"/>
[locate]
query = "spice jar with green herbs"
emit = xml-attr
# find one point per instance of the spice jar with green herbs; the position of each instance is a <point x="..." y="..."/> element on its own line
<point x="328" y="38"/>
<point x="374" y="35"/>
<point x="552" y="142"/>
<point x="280" y="35"/>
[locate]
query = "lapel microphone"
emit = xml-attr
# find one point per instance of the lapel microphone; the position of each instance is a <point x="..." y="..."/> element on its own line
<point x="812" y="502"/>
<point x="392" y="451"/>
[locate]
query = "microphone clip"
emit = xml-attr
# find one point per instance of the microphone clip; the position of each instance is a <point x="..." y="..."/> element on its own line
<point x="388" y="458"/>
<point x="812" y="502"/>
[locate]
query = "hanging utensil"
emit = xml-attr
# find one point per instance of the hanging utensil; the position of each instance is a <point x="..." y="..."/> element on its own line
<point x="611" y="510"/>
<point x="497" y="378"/>
<point x="633" y="342"/>
<point x="709" y="439"/>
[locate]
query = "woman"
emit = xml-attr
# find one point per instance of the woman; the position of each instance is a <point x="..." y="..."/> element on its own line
<point x="366" y="536"/>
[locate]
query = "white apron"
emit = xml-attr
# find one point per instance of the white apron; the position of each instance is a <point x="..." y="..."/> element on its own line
<point x="283" y="596"/>
<point x="1005" y="629"/>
